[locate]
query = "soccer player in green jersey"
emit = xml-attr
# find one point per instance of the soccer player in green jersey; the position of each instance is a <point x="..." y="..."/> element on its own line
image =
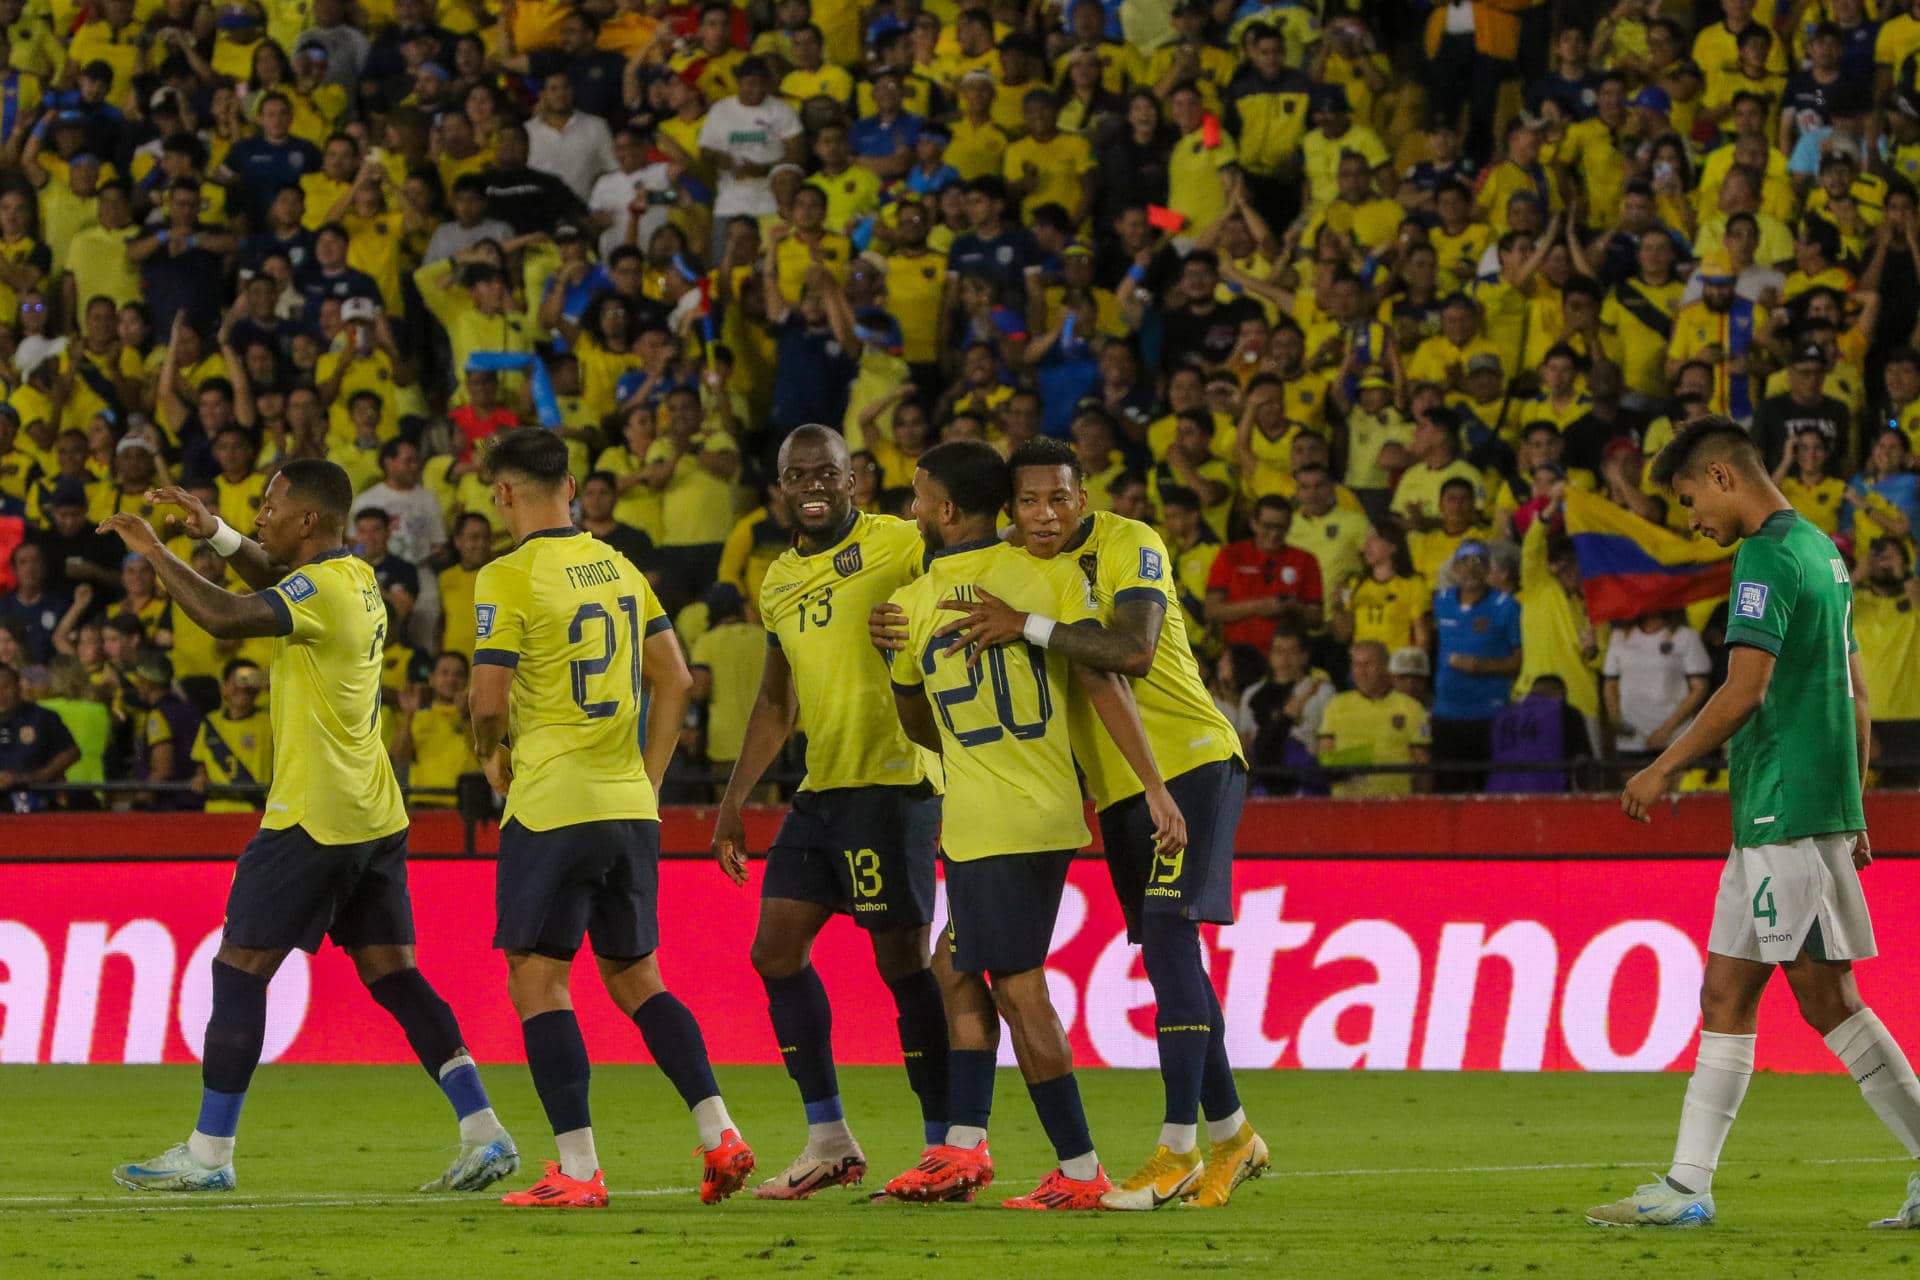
<point x="1793" y="716"/>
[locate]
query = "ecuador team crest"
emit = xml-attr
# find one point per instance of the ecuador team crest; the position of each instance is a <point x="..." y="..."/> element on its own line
<point x="847" y="562"/>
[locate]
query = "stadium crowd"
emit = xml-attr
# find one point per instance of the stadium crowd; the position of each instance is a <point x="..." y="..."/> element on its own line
<point x="1345" y="302"/>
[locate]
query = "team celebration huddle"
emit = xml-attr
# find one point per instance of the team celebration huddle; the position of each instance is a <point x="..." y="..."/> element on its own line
<point x="985" y="659"/>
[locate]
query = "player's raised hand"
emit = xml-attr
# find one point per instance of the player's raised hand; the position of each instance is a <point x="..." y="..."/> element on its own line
<point x="1643" y="791"/>
<point x="887" y="626"/>
<point x="989" y="621"/>
<point x="730" y="843"/>
<point x="135" y="532"/>
<point x="1169" y="824"/>
<point x="194" y="519"/>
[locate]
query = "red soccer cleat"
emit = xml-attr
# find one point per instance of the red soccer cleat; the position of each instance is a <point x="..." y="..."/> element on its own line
<point x="944" y="1173"/>
<point x="556" y="1190"/>
<point x="727" y="1167"/>
<point x="1058" y="1191"/>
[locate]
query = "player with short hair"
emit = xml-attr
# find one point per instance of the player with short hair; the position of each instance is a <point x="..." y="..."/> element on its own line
<point x="570" y="645"/>
<point x="1793" y="713"/>
<point x="1163" y="895"/>
<point x="330" y="858"/>
<point x="864" y="828"/>
<point x="1002" y="730"/>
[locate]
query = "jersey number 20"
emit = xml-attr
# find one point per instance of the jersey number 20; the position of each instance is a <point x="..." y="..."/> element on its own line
<point x="584" y="669"/>
<point x="992" y="665"/>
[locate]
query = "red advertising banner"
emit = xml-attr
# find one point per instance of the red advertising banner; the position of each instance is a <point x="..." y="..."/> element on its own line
<point x="1427" y="964"/>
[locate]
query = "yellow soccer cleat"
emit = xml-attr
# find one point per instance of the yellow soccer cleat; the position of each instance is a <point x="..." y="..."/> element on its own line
<point x="1229" y="1164"/>
<point x="1166" y="1178"/>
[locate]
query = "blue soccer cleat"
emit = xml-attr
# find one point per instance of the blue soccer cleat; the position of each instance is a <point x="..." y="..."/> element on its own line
<point x="1657" y="1204"/>
<point x="174" y="1169"/>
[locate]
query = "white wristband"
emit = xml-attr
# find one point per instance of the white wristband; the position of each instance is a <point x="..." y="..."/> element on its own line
<point x="1039" y="629"/>
<point x="225" y="539"/>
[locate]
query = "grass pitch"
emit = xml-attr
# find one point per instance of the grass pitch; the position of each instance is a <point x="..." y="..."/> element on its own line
<point x="1400" y="1175"/>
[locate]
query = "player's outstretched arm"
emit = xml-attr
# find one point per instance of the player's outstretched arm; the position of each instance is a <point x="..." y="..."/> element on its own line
<point x="1749" y="671"/>
<point x="219" y="612"/>
<point x="1126" y="648"/>
<point x="1112" y="699"/>
<point x="196" y="521"/>
<point x="664" y="669"/>
<point x="769" y="725"/>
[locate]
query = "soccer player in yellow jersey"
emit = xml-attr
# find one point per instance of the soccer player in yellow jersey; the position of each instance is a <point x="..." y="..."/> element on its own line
<point x="235" y="747"/>
<point x="864" y="828"/>
<point x="1164" y="894"/>
<point x="330" y="858"/>
<point x="999" y="716"/>
<point x="568" y="639"/>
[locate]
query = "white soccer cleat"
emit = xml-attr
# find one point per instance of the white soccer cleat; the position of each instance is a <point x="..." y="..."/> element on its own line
<point x="1908" y="1217"/>
<point x="1657" y="1204"/>
<point x="478" y="1166"/>
<point x="810" y="1173"/>
<point x="174" y="1169"/>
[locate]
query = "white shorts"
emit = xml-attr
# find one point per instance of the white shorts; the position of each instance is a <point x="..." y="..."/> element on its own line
<point x="1776" y="900"/>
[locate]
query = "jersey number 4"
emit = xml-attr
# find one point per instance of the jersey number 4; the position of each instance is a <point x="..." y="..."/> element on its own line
<point x="584" y="669"/>
<point x="993" y="665"/>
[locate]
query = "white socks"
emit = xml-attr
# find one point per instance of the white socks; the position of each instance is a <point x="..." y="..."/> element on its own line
<point x="1881" y="1070"/>
<point x="711" y="1115"/>
<point x="965" y="1136"/>
<point x="1083" y="1167"/>
<point x="1720" y="1077"/>
<point x="578" y="1159"/>
<point x="208" y="1152"/>
<point x="1221" y="1130"/>
<point x="1179" y="1138"/>
<point x="830" y="1138"/>
<point x="480" y="1127"/>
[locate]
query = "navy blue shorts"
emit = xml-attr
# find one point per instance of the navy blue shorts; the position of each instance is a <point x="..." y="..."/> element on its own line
<point x="598" y="879"/>
<point x="867" y="852"/>
<point x="289" y="890"/>
<point x="1197" y="882"/>
<point x="1000" y="911"/>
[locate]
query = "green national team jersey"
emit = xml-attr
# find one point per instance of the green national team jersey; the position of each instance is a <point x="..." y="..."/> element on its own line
<point x="1794" y="767"/>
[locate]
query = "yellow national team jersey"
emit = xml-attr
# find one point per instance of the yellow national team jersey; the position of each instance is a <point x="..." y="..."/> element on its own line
<point x="235" y="753"/>
<point x="1389" y="611"/>
<point x="331" y="776"/>
<point x="569" y="615"/>
<point x="815" y="610"/>
<point x="1125" y="560"/>
<point x="1373" y="731"/>
<point x="442" y="751"/>
<point x="1003" y="723"/>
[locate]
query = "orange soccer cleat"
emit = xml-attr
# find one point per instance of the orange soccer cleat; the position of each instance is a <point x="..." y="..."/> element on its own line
<point x="556" y="1190"/>
<point x="944" y="1173"/>
<point x="1058" y="1191"/>
<point x="727" y="1167"/>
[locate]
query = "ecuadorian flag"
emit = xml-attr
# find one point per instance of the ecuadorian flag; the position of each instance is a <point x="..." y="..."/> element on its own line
<point x="1631" y="566"/>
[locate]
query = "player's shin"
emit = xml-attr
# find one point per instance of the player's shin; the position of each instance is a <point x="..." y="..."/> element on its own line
<point x="802" y="1018"/>
<point x="1057" y="1102"/>
<point x="434" y="1035"/>
<point x="236" y="1031"/>
<point x="1885" y="1077"/>
<point x="674" y="1040"/>
<point x="1219" y="1096"/>
<point x="557" y="1057"/>
<point x="922" y="1024"/>
<point x="1721" y="1073"/>
<point x="1183" y="1024"/>
<point x="969" y="1096"/>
